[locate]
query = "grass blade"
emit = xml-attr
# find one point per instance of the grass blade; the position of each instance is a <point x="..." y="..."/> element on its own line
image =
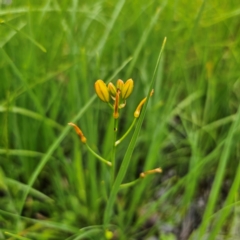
<point x="127" y="157"/>
<point x="16" y="236"/>
<point x="11" y="34"/>
<point x="45" y="223"/>
<point x="143" y="40"/>
<point x="25" y="35"/>
<point x="31" y="114"/>
<point x="110" y="25"/>
<point x="224" y="214"/>
<point x="219" y="176"/>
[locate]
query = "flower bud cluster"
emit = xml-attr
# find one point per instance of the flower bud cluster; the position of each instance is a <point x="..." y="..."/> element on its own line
<point x="118" y="93"/>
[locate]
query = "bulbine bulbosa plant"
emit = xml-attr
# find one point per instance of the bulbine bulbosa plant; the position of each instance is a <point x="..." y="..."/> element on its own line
<point x="116" y="97"/>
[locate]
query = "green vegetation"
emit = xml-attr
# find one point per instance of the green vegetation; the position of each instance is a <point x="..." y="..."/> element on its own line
<point x="51" y="54"/>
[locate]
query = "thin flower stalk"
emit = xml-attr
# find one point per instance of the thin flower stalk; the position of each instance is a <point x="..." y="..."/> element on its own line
<point x="98" y="156"/>
<point x="84" y="140"/>
<point x="113" y="154"/>
<point x="126" y="133"/>
<point x="141" y="176"/>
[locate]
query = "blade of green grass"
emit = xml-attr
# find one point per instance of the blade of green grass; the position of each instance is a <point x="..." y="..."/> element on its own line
<point x="16" y="236"/>
<point x="11" y="34"/>
<point x="234" y="229"/>
<point x="218" y="123"/>
<point x="46" y="9"/>
<point x="144" y="38"/>
<point x="230" y="198"/>
<point x="152" y="159"/>
<point x="191" y="187"/>
<point x="49" y="77"/>
<point x="21" y="152"/>
<point x="221" y="17"/>
<point x="33" y="192"/>
<point x="45" y="223"/>
<point x="25" y="35"/>
<point x="109" y="27"/>
<point x="128" y="154"/>
<point x="31" y="114"/>
<point x="22" y="78"/>
<point x="219" y="176"/>
<point x="200" y="167"/>
<point x="89" y="233"/>
<point x="79" y="171"/>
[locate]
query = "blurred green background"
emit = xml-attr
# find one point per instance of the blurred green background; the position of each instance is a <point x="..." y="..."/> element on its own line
<point x="52" y="52"/>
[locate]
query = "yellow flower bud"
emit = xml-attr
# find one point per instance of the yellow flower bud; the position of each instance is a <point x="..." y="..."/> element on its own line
<point x="139" y="107"/>
<point x="156" y="170"/>
<point x="108" y="234"/>
<point x="127" y="88"/>
<point x="102" y="90"/>
<point x="120" y="84"/>
<point x="112" y="89"/>
<point x="79" y="132"/>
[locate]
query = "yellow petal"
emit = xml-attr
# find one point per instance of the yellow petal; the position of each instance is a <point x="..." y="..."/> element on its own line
<point x="102" y="90"/>
<point x="120" y="84"/>
<point x="112" y="89"/>
<point x="127" y="88"/>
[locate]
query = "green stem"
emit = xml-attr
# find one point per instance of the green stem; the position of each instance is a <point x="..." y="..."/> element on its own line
<point x="113" y="156"/>
<point x="110" y="105"/>
<point x="129" y="184"/>
<point x="97" y="156"/>
<point x="127" y="132"/>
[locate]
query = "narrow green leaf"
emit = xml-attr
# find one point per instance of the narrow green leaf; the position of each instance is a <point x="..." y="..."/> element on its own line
<point x="45" y="223"/>
<point x="128" y="154"/>
<point x="16" y="236"/>
<point x="26" y="35"/>
<point x="110" y="25"/>
<point x="224" y="214"/>
<point x="31" y="114"/>
<point x="143" y="38"/>
<point x="11" y="34"/>
<point x="219" y="176"/>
